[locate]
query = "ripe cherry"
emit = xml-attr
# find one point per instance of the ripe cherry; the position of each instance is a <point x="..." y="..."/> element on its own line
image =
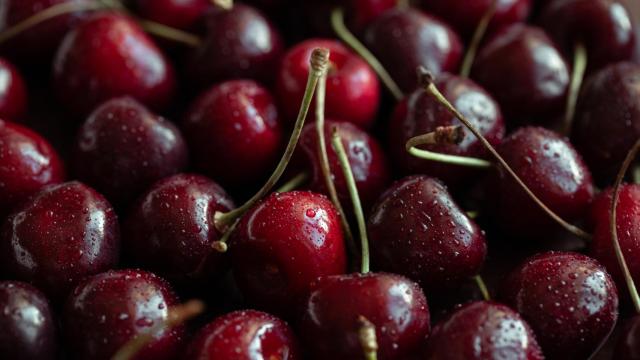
<point x="361" y="13"/>
<point x="181" y="14"/>
<point x="13" y="92"/>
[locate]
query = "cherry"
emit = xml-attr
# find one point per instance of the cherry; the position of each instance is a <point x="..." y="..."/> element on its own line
<point x="483" y="330"/>
<point x="123" y="148"/>
<point x="569" y="300"/>
<point x="107" y="310"/>
<point x="107" y="56"/>
<point x="282" y="245"/>
<point x="181" y="14"/>
<point x="628" y="345"/>
<point x="64" y="233"/>
<point x="28" y="328"/>
<point x="170" y="228"/>
<point x="352" y="87"/>
<point x="363" y="12"/>
<point x="525" y="72"/>
<point x="607" y="121"/>
<point x="28" y="163"/>
<point x="13" y="92"/>
<point x="244" y="335"/>
<point x="240" y="43"/>
<point x="419" y="114"/>
<point x="393" y="304"/>
<point x="235" y="122"/>
<point x="552" y="169"/>
<point x="404" y="39"/>
<point x="417" y="230"/>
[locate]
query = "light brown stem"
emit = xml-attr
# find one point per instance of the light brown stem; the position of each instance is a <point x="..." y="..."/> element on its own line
<point x="367" y="336"/>
<point x="577" y="76"/>
<point x="443" y="135"/>
<point x="478" y="34"/>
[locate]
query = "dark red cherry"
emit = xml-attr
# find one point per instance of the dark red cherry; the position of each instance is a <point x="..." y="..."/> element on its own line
<point x="417" y="230"/>
<point x="63" y="234"/>
<point x="170" y="228"/>
<point x="361" y="13"/>
<point x="525" y="72"/>
<point x="123" y="148"/>
<point x="403" y="39"/>
<point x="241" y="43"/>
<point x="465" y="15"/>
<point x="353" y="90"/>
<point x="569" y="300"/>
<point x="233" y="123"/>
<point x="28" y="328"/>
<point x="548" y="164"/>
<point x="180" y="14"/>
<point x="282" y="245"/>
<point x="13" y="92"/>
<point x="628" y="344"/>
<point x="419" y="114"/>
<point x="395" y="305"/>
<point x="607" y="121"/>
<point x="107" y="310"/>
<point x="108" y="56"/>
<point x="27" y="164"/>
<point x="366" y="157"/>
<point x="483" y="330"/>
<point x="604" y="27"/>
<point x="244" y="335"/>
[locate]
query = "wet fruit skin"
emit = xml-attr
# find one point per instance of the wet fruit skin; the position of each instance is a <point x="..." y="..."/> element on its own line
<point x="419" y="113"/>
<point x="13" y="92"/>
<point x="28" y="328"/>
<point x="244" y="335"/>
<point x="63" y="234"/>
<point x="417" y="230"/>
<point x="122" y="148"/>
<point x="180" y="14"/>
<point x="282" y="245"/>
<point x="107" y="56"/>
<point x="170" y="228"/>
<point x="569" y="300"/>
<point x="107" y="310"/>
<point x="395" y="305"/>
<point x="483" y="330"/>
<point x="29" y="163"/>
<point x="403" y="39"/>
<point x="628" y="345"/>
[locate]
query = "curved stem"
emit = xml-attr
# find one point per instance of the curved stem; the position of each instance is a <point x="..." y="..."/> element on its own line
<point x="478" y="34"/>
<point x="337" y="22"/>
<point x="483" y="287"/>
<point x="170" y="33"/>
<point x="443" y="135"/>
<point x="319" y="60"/>
<point x="367" y="337"/>
<point x="294" y="183"/>
<point x="614" y="228"/>
<point x="426" y="80"/>
<point x="577" y="76"/>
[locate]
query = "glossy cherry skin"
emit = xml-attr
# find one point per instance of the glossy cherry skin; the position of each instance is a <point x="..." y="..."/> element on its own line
<point x="403" y="39"/>
<point x="63" y="234"/>
<point x="353" y="90"/>
<point x="28" y="327"/>
<point x="235" y="122"/>
<point x="27" y="164"/>
<point x="483" y="330"/>
<point x="123" y="148"/>
<point x="628" y="345"/>
<point x="367" y="160"/>
<point x="419" y="113"/>
<point x="417" y="230"/>
<point x="282" y="245"/>
<point x="241" y="43"/>
<point x="170" y="228"/>
<point x="13" y="92"/>
<point x="107" y="56"/>
<point x="604" y="27"/>
<point x="180" y="14"/>
<point x="109" y="309"/>
<point x="244" y="335"/>
<point x="395" y="305"/>
<point x="361" y="13"/>
<point x="607" y="121"/>
<point x="569" y="300"/>
<point x="526" y="73"/>
<point x="549" y="165"/>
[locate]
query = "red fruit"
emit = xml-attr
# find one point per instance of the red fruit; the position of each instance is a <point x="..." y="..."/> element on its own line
<point x="108" y="56"/>
<point x="361" y="13"/>
<point x="180" y="14"/>
<point x="628" y="346"/>
<point x="13" y="92"/>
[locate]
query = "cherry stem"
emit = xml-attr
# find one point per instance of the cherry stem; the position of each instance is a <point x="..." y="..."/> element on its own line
<point x="426" y="80"/>
<point x="483" y="287"/>
<point x="577" y="76"/>
<point x="613" y="226"/>
<point x="224" y="4"/>
<point x="176" y="316"/>
<point x="443" y="135"/>
<point x="170" y="33"/>
<point x="367" y="336"/>
<point x="318" y="61"/>
<point x="339" y="27"/>
<point x="403" y="3"/>
<point x="336" y="141"/>
<point x="473" y="214"/>
<point x="294" y="183"/>
<point x="636" y="174"/>
<point x="478" y="35"/>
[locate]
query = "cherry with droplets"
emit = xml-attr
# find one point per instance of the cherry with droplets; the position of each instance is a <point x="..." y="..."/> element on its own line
<point x="13" y="92"/>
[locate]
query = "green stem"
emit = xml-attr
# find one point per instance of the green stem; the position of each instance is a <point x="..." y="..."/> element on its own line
<point x="479" y="33"/>
<point x="443" y="135"/>
<point x="367" y="337"/>
<point x="483" y="287"/>
<point x="170" y="33"/>
<point x="294" y="183"/>
<point x="224" y="4"/>
<point x="577" y="76"/>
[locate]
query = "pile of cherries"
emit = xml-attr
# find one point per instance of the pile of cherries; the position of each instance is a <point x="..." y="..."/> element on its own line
<point x="142" y="143"/>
